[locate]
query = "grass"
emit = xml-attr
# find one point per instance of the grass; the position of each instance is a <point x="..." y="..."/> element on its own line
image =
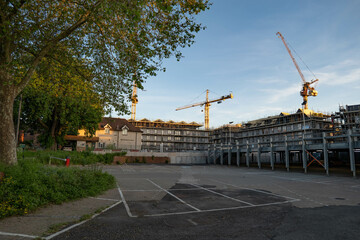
<point x="77" y="158"/>
<point x="31" y="184"/>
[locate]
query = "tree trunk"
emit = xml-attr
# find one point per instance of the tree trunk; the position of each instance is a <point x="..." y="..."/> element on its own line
<point x="7" y="130"/>
<point x="52" y="132"/>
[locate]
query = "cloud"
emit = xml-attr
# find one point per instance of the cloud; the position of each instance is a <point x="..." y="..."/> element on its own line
<point x="279" y="94"/>
<point x="343" y="73"/>
<point x="271" y="81"/>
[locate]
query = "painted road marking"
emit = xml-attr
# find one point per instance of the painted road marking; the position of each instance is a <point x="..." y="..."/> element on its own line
<point x="182" y="201"/>
<point x="124" y="201"/>
<point x="80" y="223"/>
<point x="220" y="209"/>
<point x="192" y="222"/>
<point x="106" y="199"/>
<point x="225" y="196"/>
<point x="17" y="235"/>
<point x="255" y="190"/>
<point x="176" y="189"/>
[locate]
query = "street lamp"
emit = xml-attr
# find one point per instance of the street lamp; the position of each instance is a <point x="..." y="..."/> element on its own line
<point x="230" y="132"/>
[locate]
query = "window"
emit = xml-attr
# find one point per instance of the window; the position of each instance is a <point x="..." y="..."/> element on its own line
<point x="107" y="128"/>
<point x="101" y="145"/>
<point x="125" y="130"/>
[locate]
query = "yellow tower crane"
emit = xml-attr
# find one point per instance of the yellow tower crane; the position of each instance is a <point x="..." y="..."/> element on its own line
<point x="306" y="90"/>
<point x="134" y="101"/>
<point x="206" y="105"/>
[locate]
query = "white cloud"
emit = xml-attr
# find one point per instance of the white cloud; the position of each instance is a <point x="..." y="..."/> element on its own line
<point x="270" y="80"/>
<point x="343" y="73"/>
<point x="280" y="94"/>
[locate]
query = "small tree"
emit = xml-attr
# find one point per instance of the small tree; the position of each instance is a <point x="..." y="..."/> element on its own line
<point x="114" y="39"/>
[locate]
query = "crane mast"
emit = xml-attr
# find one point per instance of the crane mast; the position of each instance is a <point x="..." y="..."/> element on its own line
<point x="306" y="90"/>
<point x="206" y="104"/>
<point x="134" y="101"/>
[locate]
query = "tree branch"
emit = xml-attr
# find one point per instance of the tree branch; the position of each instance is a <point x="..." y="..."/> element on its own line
<point x="52" y="43"/>
<point x="15" y="9"/>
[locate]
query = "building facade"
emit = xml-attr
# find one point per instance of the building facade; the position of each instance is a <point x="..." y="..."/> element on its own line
<point x="349" y="116"/>
<point x="116" y="133"/>
<point x="275" y="129"/>
<point x="172" y="136"/>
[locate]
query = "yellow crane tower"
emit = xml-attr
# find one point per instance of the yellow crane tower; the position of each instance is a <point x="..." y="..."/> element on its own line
<point x="206" y="105"/>
<point x="306" y="90"/>
<point x="134" y="101"/>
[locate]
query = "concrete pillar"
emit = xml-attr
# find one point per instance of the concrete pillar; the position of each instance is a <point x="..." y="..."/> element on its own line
<point x="287" y="158"/>
<point x="259" y="154"/>
<point x="221" y="154"/>
<point x="271" y="155"/>
<point x="237" y="154"/>
<point x="326" y="154"/>
<point x="215" y="153"/>
<point x="351" y="153"/>
<point x="247" y="154"/>
<point x="304" y="155"/>
<point x="229" y="154"/>
<point x="208" y="159"/>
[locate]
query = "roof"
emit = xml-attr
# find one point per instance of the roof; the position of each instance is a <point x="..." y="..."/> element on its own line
<point x="81" y="138"/>
<point x="117" y="124"/>
<point x="171" y="122"/>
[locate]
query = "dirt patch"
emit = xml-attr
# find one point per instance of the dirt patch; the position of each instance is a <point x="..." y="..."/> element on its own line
<point x="132" y="159"/>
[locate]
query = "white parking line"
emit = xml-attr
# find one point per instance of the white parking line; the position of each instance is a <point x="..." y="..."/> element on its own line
<point x="225" y="196"/>
<point x="172" y="190"/>
<point x="182" y="201"/>
<point x="106" y="199"/>
<point x="80" y="223"/>
<point x="125" y="203"/>
<point x="220" y="209"/>
<point x="17" y="235"/>
<point x="255" y="190"/>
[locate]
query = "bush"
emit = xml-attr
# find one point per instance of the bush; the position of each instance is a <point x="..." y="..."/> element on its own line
<point x="80" y="158"/>
<point x="31" y="184"/>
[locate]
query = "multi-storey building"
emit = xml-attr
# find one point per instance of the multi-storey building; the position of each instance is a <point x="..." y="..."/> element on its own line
<point x="275" y="128"/>
<point x="159" y="135"/>
<point x="349" y="116"/>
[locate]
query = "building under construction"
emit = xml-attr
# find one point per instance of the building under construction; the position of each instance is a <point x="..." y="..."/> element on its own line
<point x="162" y="135"/>
<point x="275" y="128"/>
<point x="349" y="116"/>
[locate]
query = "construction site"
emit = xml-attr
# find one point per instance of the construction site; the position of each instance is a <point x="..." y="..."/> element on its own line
<point x="300" y="140"/>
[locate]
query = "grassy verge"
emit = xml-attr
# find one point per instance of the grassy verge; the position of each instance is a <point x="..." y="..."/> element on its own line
<point x="31" y="184"/>
<point x="79" y="158"/>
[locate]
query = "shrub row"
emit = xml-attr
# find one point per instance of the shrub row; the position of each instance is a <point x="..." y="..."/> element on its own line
<point x="31" y="184"/>
<point x="80" y="158"/>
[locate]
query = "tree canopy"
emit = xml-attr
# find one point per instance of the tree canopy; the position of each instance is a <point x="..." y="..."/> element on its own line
<point x="104" y="42"/>
<point x="58" y="103"/>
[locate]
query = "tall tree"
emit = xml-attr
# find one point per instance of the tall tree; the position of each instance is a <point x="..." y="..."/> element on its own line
<point x="113" y="38"/>
<point x="57" y="102"/>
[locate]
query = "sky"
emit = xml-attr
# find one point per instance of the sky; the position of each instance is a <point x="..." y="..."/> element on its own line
<point x="239" y="52"/>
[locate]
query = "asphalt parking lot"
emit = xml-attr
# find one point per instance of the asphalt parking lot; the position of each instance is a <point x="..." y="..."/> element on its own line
<point x="220" y="202"/>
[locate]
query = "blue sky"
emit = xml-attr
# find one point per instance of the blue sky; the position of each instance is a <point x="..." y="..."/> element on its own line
<point x="240" y="52"/>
